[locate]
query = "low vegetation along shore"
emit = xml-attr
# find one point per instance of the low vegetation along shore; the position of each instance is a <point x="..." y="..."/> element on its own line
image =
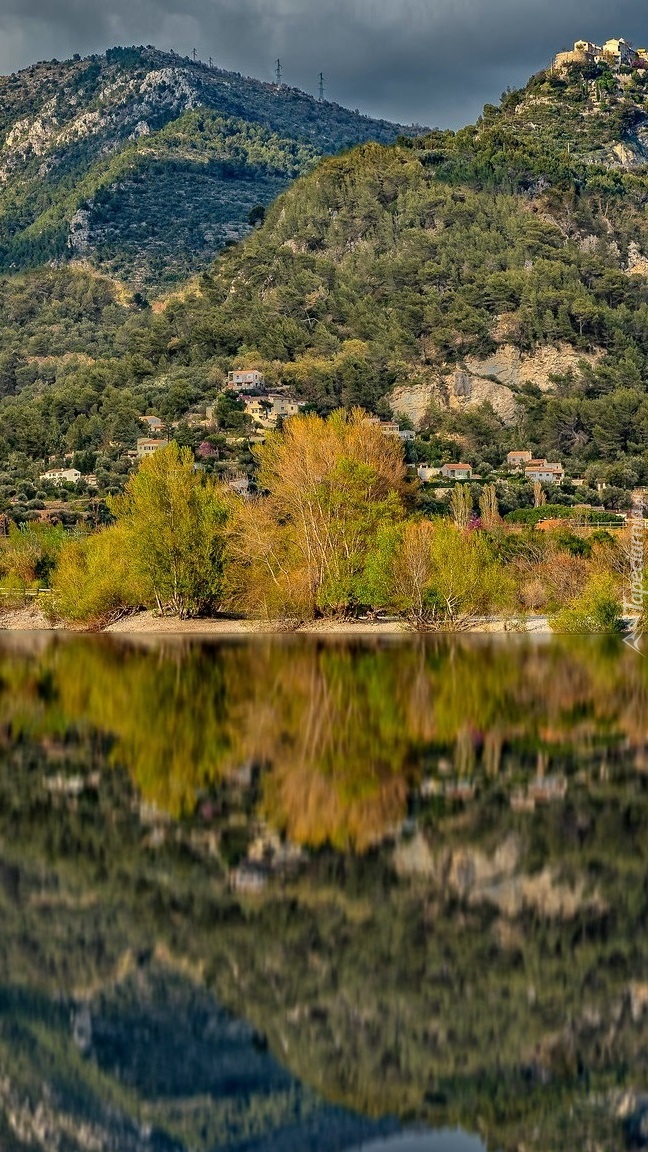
<point x="329" y="542"/>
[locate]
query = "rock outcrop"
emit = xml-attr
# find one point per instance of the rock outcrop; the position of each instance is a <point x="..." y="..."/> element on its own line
<point x="495" y="380"/>
<point x="498" y="879"/>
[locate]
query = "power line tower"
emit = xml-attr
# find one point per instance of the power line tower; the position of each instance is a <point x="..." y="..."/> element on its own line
<point x="211" y="62"/>
<point x="195" y="55"/>
<point x="278" y="73"/>
<point x="321" y="88"/>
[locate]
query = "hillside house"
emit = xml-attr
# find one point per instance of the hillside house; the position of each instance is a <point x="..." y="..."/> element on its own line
<point x="267" y="410"/>
<point x="583" y="52"/>
<point x="153" y="423"/>
<point x="60" y="476"/>
<point x="619" y="52"/>
<point x="588" y="47"/>
<point x="242" y="380"/>
<point x="392" y="428"/>
<point x="259" y="409"/>
<point x="457" y="471"/>
<point x="542" y="472"/>
<point x="283" y="406"/>
<point x="427" y="473"/>
<point x="517" y="460"/>
<point x="146" y="446"/>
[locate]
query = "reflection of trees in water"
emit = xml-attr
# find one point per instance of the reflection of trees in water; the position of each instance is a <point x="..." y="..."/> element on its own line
<point x="427" y="991"/>
<point x="342" y="730"/>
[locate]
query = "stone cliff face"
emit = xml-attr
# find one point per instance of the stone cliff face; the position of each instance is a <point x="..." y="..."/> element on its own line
<point x="631" y="152"/>
<point x="495" y="380"/>
<point x="498" y="879"/>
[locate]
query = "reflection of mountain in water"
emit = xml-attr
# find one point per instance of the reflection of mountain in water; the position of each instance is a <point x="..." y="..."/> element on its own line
<point x="424" y="1142"/>
<point x="479" y="961"/>
<point x="153" y="1064"/>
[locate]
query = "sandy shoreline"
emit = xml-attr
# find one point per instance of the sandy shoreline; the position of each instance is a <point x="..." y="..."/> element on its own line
<point x="148" y="623"/>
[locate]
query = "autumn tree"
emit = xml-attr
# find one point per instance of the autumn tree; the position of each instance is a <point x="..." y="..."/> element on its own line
<point x="165" y="549"/>
<point x="330" y="486"/>
<point x="539" y="496"/>
<point x="461" y="504"/>
<point x="438" y="576"/>
<point x="488" y="508"/>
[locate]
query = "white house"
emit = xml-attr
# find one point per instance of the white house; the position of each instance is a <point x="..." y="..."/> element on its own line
<point x="153" y="423"/>
<point x="426" y="473"/>
<point x="283" y="406"/>
<point x="542" y="472"/>
<point x="60" y="476"/>
<point x="457" y="471"/>
<point x="242" y="380"/>
<point x="621" y="51"/>
<point x="517" y="460"/>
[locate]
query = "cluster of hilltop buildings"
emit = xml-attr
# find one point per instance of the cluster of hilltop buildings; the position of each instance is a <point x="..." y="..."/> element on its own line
<point x="617" y="53"/>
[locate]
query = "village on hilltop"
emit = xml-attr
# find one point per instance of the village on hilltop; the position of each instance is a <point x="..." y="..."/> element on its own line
<point x="616" y="53"/>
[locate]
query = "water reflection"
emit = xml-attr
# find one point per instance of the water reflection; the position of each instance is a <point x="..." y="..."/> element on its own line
<point x="342" y="732"/>
<point x="416" y="869"/>
<point x="425" y="1142"/>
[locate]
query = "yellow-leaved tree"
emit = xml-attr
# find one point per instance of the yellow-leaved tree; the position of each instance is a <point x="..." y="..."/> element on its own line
<point x="165" y="549"/>
<point x="330" y="486"/>
<point x="176" y="519"/>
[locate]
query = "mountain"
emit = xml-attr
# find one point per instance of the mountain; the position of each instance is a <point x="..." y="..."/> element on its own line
<point x="492" y="284"/>
<point x="146" y="164"/>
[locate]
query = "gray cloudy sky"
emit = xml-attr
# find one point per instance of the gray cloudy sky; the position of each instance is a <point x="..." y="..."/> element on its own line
<point x="418" y="61"/>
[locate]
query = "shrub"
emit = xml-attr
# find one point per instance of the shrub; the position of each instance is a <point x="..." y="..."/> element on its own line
<point x="94" y="580"/>
<point x="596" y="609"/>
<point x="28" y="554"/>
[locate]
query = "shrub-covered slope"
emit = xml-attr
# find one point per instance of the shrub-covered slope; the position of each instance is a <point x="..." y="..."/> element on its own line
<point x="491" y="273"/>
<point x="148" y="163"/>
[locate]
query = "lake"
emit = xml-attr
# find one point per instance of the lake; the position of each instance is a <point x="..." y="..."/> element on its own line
<point x="299" y="894"/>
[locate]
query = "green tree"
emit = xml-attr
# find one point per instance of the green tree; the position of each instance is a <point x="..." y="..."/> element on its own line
<point x="597" y="609"/>
<point x="176" y="521"/>
<point x="438" y="575"/>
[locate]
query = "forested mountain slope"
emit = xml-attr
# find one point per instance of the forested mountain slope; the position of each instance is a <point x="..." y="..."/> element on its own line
<point x="147" y="163"/>
<point x="491" y="282"/>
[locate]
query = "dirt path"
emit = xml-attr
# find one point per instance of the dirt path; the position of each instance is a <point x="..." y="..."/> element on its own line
<point x="150" y="624"/>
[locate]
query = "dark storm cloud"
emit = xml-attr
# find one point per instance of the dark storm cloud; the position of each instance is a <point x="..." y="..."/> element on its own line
<point x="425" y="61"/>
